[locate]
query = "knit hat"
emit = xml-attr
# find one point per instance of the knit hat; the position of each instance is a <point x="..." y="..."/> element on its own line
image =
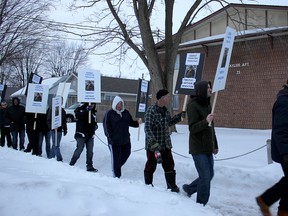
<point x="161" y="93"/>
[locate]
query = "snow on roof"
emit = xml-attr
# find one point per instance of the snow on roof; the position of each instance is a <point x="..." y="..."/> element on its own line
<point x="238" y="33"/>
<point x="49" y="82"/>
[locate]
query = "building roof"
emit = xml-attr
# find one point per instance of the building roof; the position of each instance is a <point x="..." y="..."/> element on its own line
<point x="108" y="84"/>
<point x="252" y="33"/>
<point x="232" y="5"/>
<point x="113" y="84"/>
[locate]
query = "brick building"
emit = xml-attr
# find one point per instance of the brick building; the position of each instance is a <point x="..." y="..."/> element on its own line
<point x="258" y="65"/>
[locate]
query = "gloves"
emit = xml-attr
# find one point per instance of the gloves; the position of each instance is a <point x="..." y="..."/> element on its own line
<point x="65" y="132"/>
<point x="183" y="114"/>
<point x="90" y="107"/>
<point x="155" y="146"/>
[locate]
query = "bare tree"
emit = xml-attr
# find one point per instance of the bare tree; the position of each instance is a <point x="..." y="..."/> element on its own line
<point x="63" y="58"/>
<point x="131" y="23"/>
<point x="20" y="26"/>
<point x="29" y="61"/>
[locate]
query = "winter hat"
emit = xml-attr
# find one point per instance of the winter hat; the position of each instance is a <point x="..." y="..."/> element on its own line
<point x="161" y="93"/>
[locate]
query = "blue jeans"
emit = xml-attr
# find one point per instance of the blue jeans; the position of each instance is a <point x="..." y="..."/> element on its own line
<point x="204" y="164"/>
<point x="81" y="142"/>
<point x="15" y="134"/>
<point x="47" y="137"/>
<point x="55" y="150"/>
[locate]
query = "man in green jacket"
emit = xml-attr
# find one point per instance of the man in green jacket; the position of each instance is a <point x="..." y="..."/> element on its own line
<point x="202" y="141"/>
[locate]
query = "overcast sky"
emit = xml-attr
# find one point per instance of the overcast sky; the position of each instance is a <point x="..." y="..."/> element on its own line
<point x="136" y="71"/>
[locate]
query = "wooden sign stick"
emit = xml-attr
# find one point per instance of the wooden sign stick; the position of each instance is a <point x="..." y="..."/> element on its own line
<point x="213" y="106"/>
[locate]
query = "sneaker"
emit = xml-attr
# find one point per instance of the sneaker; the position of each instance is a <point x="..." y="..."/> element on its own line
<point x="282" y="213"/>
<point x="92" y="169"/>
<point x="185" y="188"/>
<point x="263" y="207"/>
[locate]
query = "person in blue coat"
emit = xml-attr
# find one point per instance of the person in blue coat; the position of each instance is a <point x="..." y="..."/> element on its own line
<point x="116" y="125"/>
<point x="279" y="153"/>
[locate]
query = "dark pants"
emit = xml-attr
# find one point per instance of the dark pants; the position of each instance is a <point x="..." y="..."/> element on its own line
<point x="119" y="156"/>
<point x="167" y="161"/>
<point x="81" y="142"/>
<point x="5" y="133"/>
<point x="15" y="134"/>
<point x="279" y="191"/>
<point x="33" y="138"/>
<point x="47" y="138"/>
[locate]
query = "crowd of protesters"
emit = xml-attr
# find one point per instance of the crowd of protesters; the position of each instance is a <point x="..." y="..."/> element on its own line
<point x="117" y="120"/>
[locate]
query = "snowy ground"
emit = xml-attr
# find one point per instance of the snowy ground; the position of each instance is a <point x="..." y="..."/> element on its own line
<point x="36" y="186"/>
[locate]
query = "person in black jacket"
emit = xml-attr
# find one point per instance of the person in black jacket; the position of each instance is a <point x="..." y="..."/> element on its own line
<point x="86" y="125"/>
<point x="55" y="149"/>
<point x="16" y="115"/>
<point x="5" y="126"/>
<point x="279" y="153"/>
<point x="116" y="124"/>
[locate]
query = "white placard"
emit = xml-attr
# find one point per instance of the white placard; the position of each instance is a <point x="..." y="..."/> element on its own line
<point x="224" y="60"/>
<point x="89" y="86"/>
<point x="63" y="90"/>
<point x="56" y="112"/>
<point x="37" y="98"/>
<point x="143" y="95"/>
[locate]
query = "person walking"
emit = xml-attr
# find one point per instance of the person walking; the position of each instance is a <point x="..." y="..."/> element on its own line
<point x="4" y="126"/>
<point x="84" y="134"/>
<point x="55" y="150"/>
<point x="32" y="130"/>
<point x="279" y="153"/>
<point x="157" y="140"/>
<point x="202" y="141"/>
<point x="116" y="124"/>
<point x="44" y="133"/>
<point x="16" y="115"/>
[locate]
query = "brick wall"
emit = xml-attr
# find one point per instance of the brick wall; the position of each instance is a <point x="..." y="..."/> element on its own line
<point x="258" y="69"/>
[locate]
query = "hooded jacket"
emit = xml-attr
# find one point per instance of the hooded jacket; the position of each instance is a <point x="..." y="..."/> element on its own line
<point x="16" y="115"/>
<point x="279" y="136"/>
<point x="202" y="138"/>
<point x="116" y="124"/>
<point x="84" y="129"/>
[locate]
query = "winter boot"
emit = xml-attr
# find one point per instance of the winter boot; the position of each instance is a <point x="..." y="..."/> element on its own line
<point x="170" y="180"/>
<point x="282" y="213"/>
<point x="148" y="177"/>
<point x="263" y="207"/>
<point x="92" y="169"/>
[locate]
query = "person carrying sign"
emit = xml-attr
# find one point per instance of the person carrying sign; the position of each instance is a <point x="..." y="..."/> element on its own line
<point x="84" y="134"/>
<point x="116" y="124"/>
<point x="202" y="141"/>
